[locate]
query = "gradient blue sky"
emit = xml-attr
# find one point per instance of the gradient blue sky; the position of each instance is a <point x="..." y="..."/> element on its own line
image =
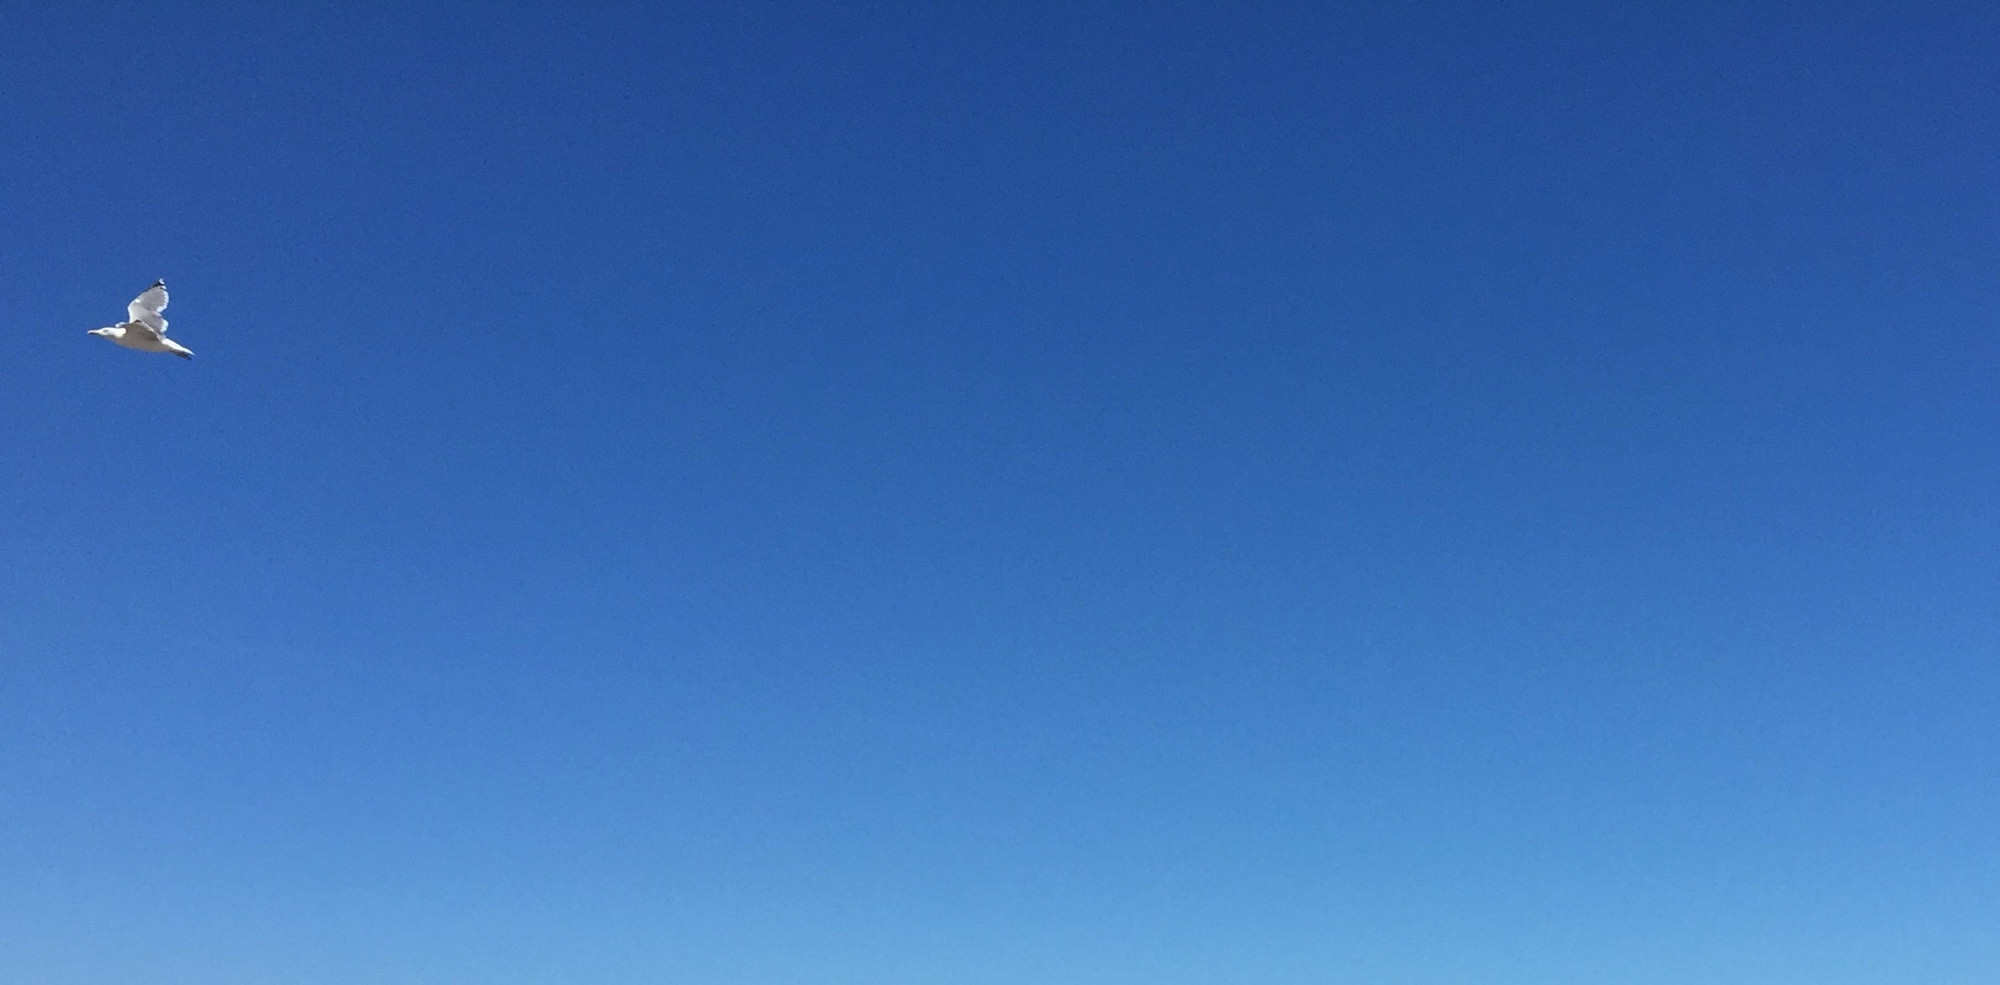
<point x="1056" y="493"/>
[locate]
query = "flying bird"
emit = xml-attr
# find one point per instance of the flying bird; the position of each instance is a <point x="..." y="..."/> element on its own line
<point x="146" y="331"/>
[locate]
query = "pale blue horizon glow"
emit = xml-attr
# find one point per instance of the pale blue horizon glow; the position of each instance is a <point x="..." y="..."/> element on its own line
<point x="1064" y="494"/>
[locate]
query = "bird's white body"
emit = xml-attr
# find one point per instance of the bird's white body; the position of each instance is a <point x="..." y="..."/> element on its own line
<point x="146" y="331"/>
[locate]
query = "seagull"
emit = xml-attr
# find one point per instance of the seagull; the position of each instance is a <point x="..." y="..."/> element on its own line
<point x="146" y="331"/>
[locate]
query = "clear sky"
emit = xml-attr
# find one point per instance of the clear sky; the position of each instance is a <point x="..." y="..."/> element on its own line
<point x="1057" y="493"/>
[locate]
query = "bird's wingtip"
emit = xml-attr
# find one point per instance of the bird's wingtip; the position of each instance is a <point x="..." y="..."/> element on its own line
<point x="162" y="282"/>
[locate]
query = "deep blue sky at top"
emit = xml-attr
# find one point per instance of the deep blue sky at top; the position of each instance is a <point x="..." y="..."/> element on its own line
<point x="1064" y="493"/>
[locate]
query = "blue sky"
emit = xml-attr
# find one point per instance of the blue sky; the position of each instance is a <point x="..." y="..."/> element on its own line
<point x="1071" y="493"/>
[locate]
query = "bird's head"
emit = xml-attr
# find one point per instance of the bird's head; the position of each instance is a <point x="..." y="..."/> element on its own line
<point x="109" y="333"/>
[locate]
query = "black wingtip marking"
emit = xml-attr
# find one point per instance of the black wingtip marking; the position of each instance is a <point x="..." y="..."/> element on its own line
<point x="158" y="283"/>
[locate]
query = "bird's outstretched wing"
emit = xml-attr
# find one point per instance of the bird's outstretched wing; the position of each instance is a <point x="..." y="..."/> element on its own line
<point x="145" y="309"/>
